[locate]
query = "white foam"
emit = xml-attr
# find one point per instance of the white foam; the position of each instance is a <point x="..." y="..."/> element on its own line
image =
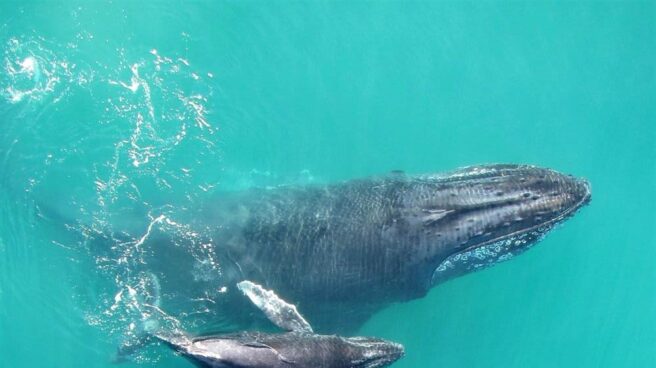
<point x="28" y="65"/>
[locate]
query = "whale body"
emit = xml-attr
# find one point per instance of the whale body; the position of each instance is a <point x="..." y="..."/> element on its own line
<point x="345" y="250"/>
<point x="299" y="347"/>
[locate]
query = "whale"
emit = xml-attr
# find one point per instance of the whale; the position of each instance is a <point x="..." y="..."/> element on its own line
<point x="345" y="250"/>
<point x="298" y="347"/>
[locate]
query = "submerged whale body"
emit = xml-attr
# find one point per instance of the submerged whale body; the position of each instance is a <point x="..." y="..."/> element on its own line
<point x="345" y="250"/>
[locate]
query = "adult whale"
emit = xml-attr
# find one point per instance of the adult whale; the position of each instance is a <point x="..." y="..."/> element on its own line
<point x="345" y="250"/>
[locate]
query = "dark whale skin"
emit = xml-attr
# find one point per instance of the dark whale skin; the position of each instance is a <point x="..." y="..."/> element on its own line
<point x="344" y="250"/>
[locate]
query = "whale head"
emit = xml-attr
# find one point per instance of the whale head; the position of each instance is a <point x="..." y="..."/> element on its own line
<point x="477" y="216"/>
<point x="372" y="352"/>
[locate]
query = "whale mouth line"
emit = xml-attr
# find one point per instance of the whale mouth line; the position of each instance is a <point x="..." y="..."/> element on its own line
<point x="542" y="228"/>
<point x="571" y="211"/>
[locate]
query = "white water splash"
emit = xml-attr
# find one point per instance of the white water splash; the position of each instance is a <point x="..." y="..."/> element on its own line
<point x="149" y="117"/>
<point x="33" y="71"/>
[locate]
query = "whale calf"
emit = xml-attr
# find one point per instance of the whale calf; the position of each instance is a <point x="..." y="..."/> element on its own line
<point x="300" y="347"/>
<point x="345" y="250"/>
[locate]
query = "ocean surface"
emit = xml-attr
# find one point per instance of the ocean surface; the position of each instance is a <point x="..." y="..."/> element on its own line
<point x="117" y="117"/>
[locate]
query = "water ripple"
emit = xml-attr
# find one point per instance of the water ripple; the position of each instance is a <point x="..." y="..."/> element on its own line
<point x="107" y="153"/>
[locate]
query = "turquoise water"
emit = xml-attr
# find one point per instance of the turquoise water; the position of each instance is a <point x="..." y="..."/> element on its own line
<point x="114" y="114"/>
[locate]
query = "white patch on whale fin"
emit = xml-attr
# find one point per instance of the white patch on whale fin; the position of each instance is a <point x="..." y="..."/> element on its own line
<point x="255" y="344"/>
<point x="281" y="313"/>
<point x="433" y="216"/>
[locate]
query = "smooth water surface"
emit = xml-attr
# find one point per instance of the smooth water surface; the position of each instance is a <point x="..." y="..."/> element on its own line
<point x="118" y="117"/>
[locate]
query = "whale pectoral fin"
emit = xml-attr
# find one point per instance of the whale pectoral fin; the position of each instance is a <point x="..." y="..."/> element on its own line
<point x="434" y="215"/>
<point x="254" y="344"/>
<point x="278" y="311"/>
<point x="259" y="345"/>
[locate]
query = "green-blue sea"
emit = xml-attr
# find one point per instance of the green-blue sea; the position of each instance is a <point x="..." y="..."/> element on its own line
<point x="118" y="117"/>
